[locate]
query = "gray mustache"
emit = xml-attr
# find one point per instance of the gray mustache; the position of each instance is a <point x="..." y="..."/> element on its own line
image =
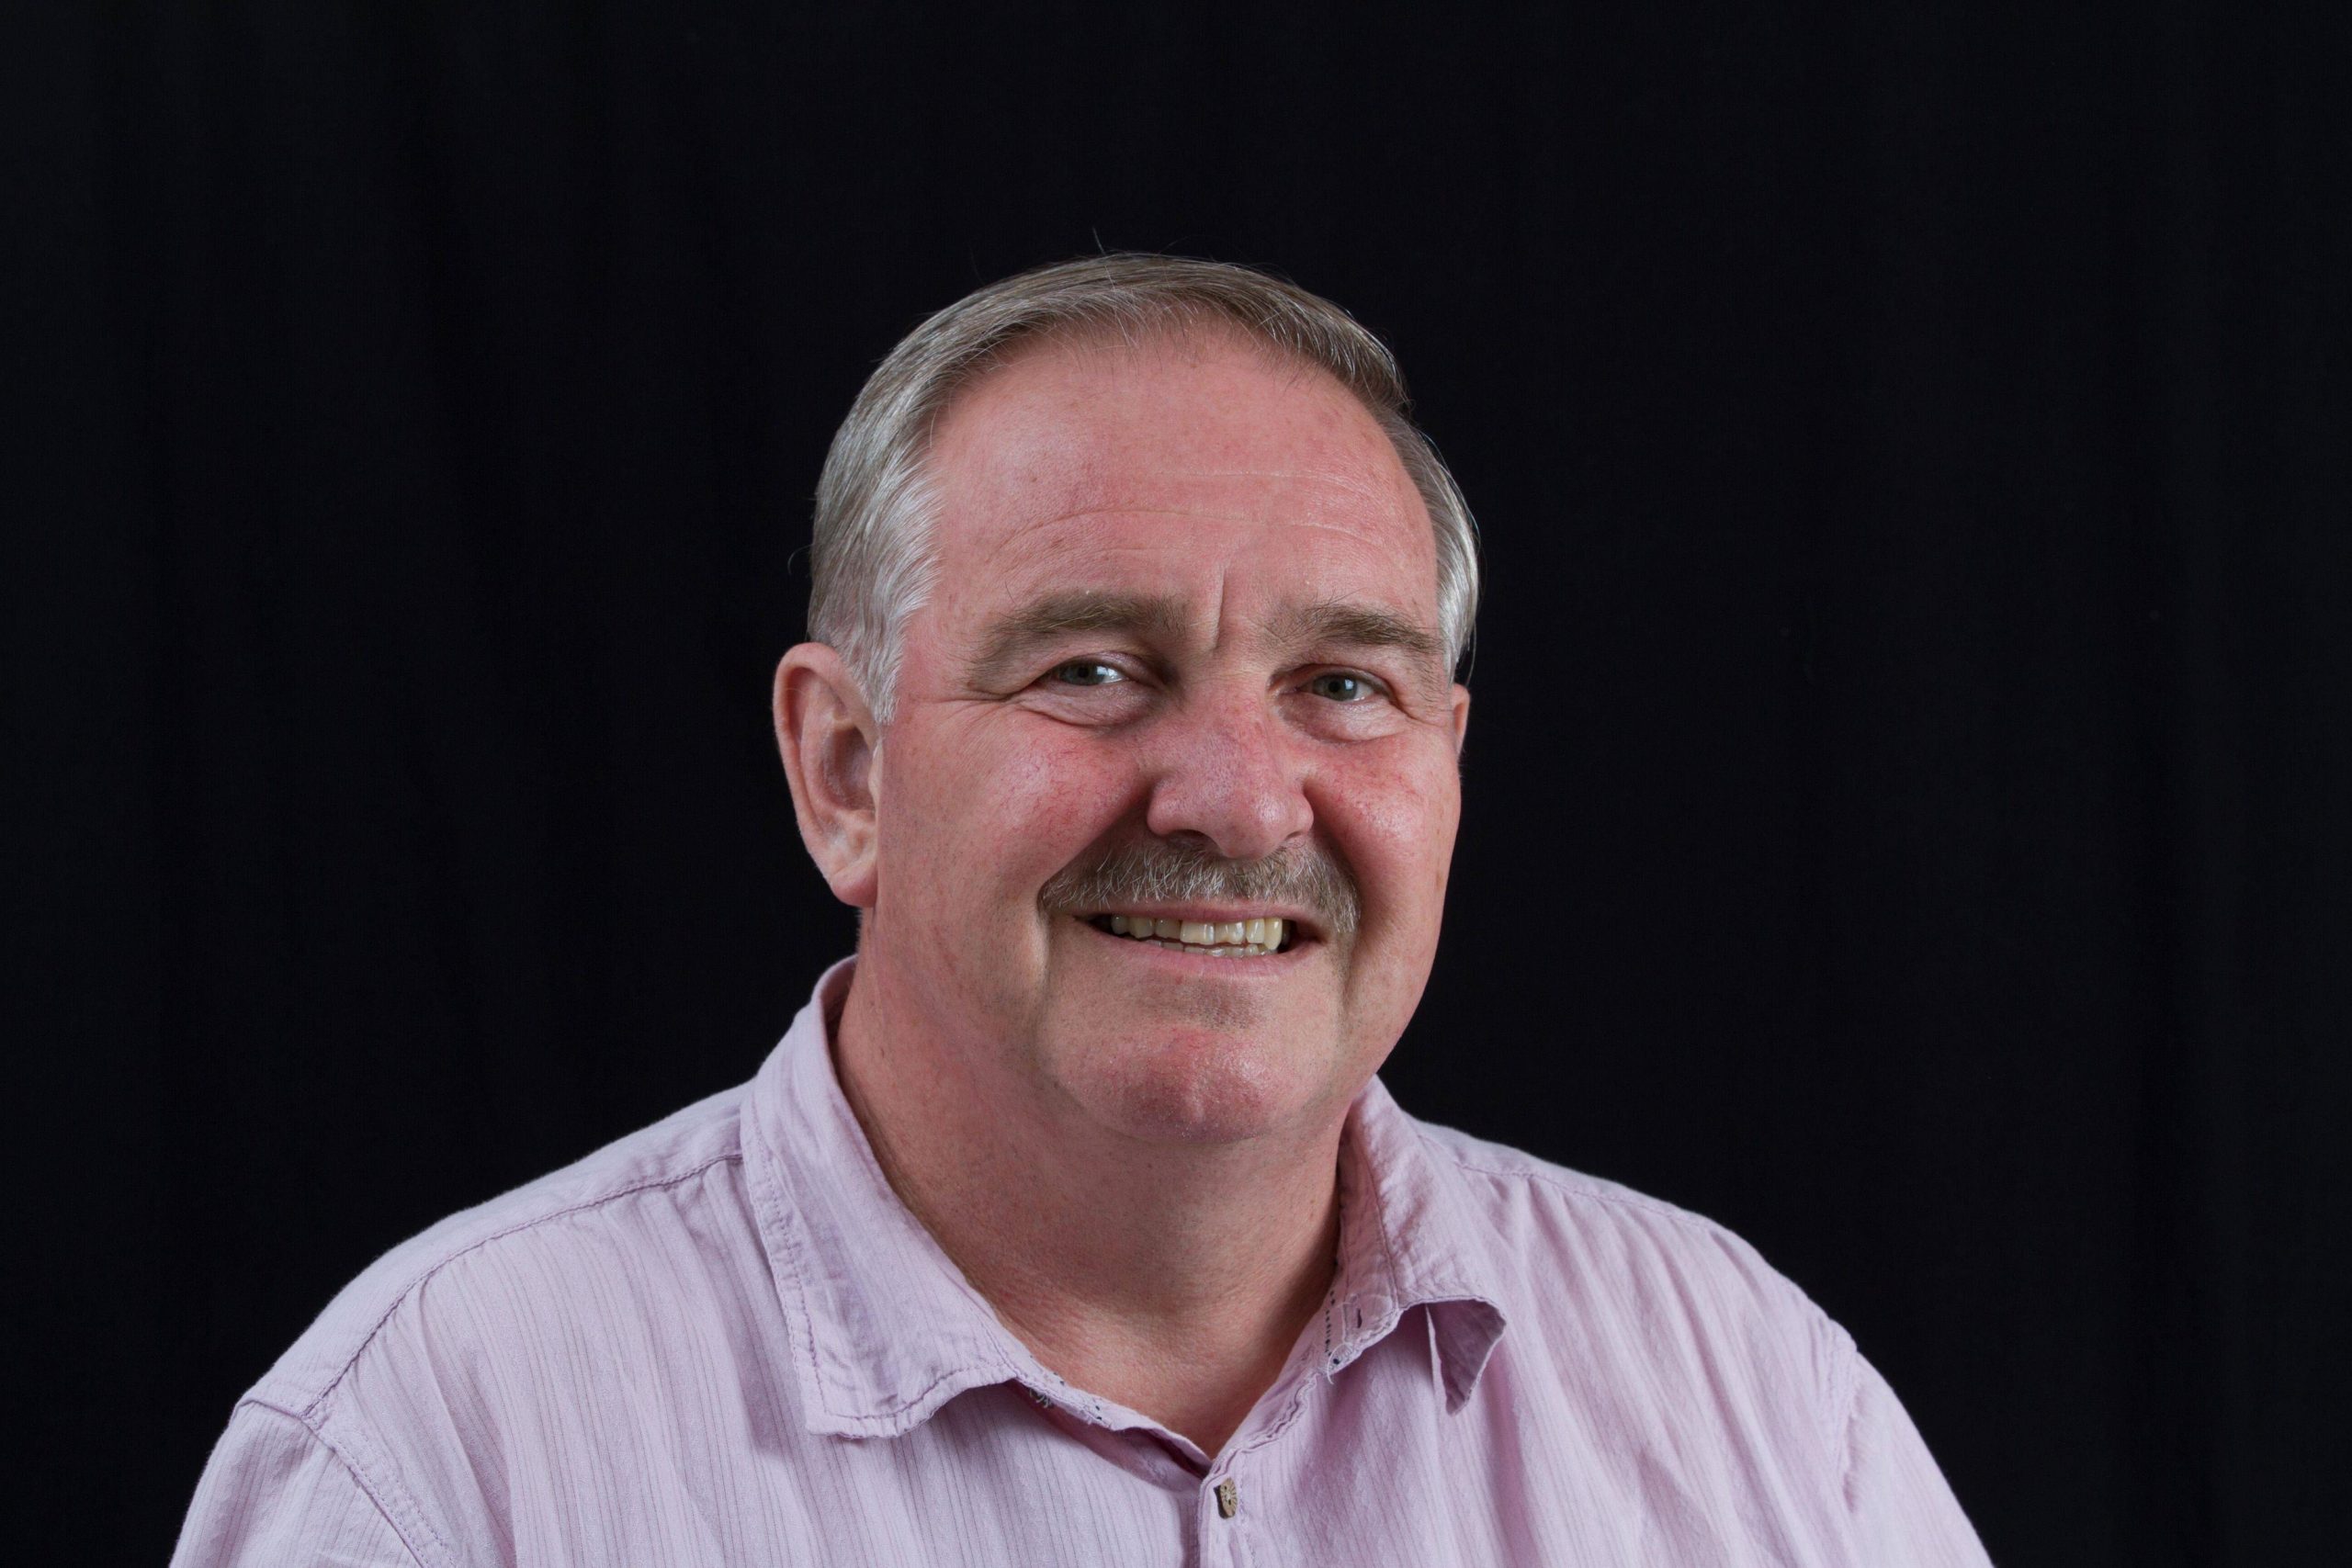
<point x="1158" y="871"/>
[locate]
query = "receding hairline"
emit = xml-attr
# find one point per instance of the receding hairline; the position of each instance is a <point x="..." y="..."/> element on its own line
<point x="1054" y="612"/>
<point x="1399" y="485"/>
<point x="1120" y="351"/>
<point x="875" y="502"/>
<point x="1174" y="324"/>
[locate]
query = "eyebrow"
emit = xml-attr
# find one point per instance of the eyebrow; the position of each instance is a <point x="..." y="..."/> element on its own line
<point x="1358" y="626"/>
<point x="1058" y="615"/>
<point x="1329" y="621"/>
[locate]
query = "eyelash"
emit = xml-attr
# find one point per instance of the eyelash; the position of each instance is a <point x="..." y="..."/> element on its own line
<point x="1068" y="665"/>
<point x="1372" y="686"/>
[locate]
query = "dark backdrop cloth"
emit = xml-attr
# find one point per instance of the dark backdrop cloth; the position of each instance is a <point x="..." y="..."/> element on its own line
<point x="1906" y="810"/>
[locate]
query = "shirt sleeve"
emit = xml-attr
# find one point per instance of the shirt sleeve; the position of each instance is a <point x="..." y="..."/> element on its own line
<point x="1904" y="1513"/>
<point x="273" y="1493"/>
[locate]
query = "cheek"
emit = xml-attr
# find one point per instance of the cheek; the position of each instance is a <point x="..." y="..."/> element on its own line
<point x="996" y="810"/>
<point x="1396" y="826"/>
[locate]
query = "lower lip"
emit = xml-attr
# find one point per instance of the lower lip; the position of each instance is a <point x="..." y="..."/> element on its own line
<point x="1265" y="965"/>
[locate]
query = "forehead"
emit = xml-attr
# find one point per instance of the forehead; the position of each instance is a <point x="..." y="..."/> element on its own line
<point x="1080" y="459"/>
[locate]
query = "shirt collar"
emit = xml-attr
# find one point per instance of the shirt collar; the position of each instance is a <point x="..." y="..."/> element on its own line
<point x="886" y="1329"/>
<point x="1410" y="1236"/>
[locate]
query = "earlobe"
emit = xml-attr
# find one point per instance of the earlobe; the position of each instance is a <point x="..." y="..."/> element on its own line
<point x="827" y="737"/>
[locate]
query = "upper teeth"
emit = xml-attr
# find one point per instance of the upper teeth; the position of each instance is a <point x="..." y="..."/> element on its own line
<point x="1227" y="938"/>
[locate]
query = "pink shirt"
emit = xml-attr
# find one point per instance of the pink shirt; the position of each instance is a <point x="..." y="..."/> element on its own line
<point x="723" y="1340"/>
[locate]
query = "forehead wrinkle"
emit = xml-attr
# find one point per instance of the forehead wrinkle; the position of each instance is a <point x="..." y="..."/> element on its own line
<point x="1071" y="487"/>
<point x="1337" y="479"/>
<point x="1268" y="493"/>
<point x="1014" y="537"/>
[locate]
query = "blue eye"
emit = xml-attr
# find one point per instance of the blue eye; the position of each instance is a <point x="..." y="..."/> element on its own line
<point x="1340" y="687"/>
<point x="1088" y="673"/>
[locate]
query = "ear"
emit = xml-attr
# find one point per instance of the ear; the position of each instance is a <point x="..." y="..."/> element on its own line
<point x="1460" y="716"/>
<point x="831" y="747"/>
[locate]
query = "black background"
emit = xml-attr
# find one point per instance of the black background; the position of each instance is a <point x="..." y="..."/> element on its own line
<point x="1906" y="794"/>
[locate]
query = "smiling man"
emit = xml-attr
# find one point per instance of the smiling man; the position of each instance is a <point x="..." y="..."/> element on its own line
<point x="1068" y="1223"/>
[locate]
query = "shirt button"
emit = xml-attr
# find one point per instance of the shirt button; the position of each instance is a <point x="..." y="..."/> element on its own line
<point x="1228" y="1498"/>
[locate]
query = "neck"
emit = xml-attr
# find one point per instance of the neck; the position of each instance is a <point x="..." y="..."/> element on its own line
<point x="1173" y="1279"/>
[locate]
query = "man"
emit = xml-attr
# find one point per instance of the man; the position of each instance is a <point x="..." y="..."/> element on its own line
<point x="1069" y="1223"/>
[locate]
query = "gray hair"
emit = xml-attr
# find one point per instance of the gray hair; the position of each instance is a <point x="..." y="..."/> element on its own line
<point x="871" y="565"/>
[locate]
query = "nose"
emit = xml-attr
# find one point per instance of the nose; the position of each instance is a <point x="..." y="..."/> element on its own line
<point x="1225" y="771"/>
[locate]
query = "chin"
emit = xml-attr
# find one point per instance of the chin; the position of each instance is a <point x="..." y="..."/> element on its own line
<point x="1195" y="1087"/>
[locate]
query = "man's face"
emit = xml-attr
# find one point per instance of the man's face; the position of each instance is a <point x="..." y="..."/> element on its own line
<point x="1186" y="615"/>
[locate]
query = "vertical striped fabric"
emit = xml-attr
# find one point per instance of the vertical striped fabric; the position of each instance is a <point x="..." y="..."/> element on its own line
<point x="723" y="1341"/>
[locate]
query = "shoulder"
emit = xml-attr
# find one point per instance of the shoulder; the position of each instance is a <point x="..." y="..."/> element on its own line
<point x="1595" y="1261"/>
<point x="1515" y="1190"/>
<point x="530" y="1245"/>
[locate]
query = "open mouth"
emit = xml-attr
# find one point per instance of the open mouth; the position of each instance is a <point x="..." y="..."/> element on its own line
<point x="1252" y="938"/>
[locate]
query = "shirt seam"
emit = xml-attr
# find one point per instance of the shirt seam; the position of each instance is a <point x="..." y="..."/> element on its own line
<point x="768" y="1196"/>
<point x="1845" y="1398"/>
<point x="1842" y="1391"/>
<point x="1380" y="1218"/>
<point x="371" y="1489"/>
<point x="885" y="1410"/>
<point x="781" y="1221"/>
<point x="1658" y="1207"/>
<point x="1395" y="1285"/>
<point x="310" y="1410"/>
<point x="1695" y="1225"/>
